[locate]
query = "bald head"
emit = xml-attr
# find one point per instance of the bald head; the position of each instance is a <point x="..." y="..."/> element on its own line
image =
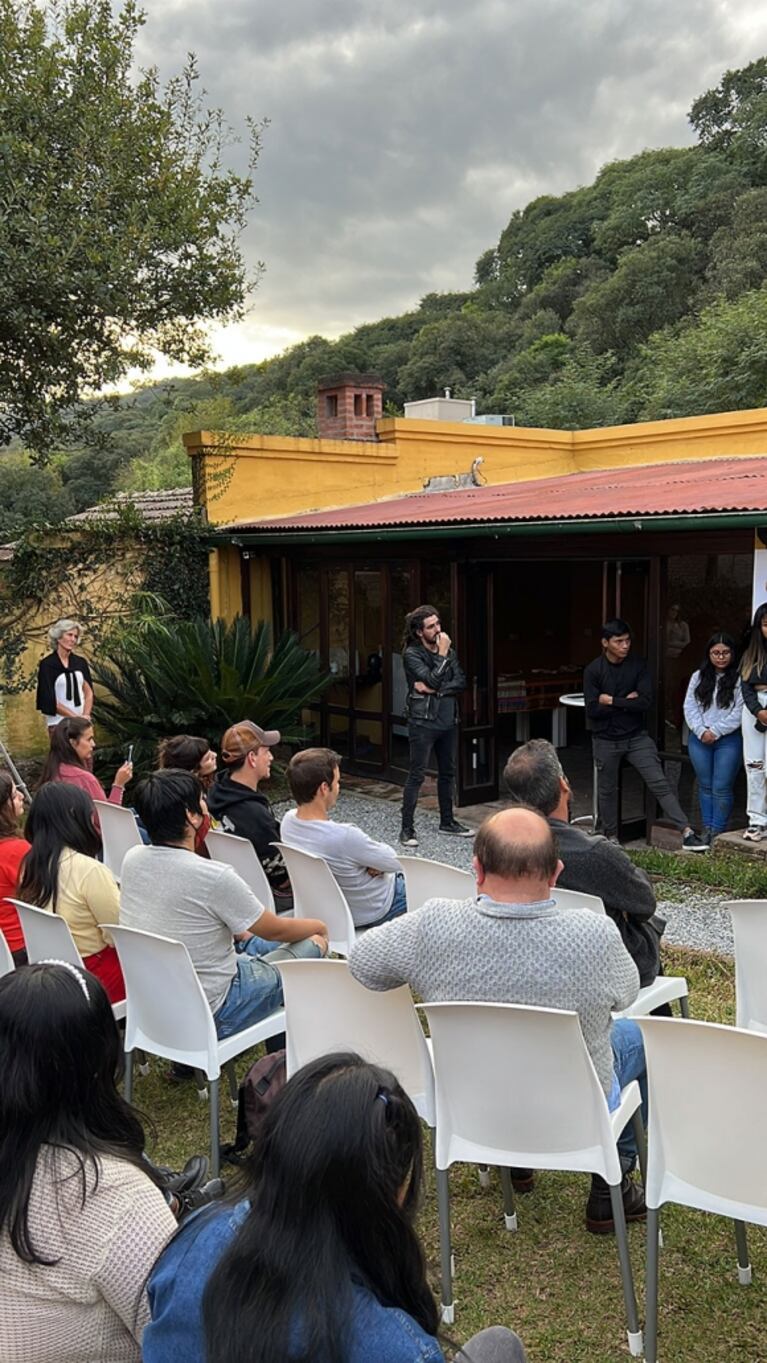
<point x="516" y="845"/>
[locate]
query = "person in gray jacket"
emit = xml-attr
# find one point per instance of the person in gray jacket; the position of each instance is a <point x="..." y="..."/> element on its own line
<point x="511" y="944"/>
<point x="593" y="865"/>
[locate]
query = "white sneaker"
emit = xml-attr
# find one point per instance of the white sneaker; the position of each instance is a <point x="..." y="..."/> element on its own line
<point x="754" y="833"/>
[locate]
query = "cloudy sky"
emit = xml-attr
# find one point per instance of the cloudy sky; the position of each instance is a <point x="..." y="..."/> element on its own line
<point x="403" y="133"/>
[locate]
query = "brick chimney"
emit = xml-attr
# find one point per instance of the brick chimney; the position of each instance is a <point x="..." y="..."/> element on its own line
<point x="348" y="406"/>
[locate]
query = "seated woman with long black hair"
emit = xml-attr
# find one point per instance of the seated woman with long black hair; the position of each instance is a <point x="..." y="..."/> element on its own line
<point x="320" y="1261"/>
<point x="81" y="1216"/>
<point x="71" y="757"/>
<point x="61" y="873"/>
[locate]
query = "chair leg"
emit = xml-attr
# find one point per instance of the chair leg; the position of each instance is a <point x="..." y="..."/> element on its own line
<point x="744" y="1267"/>
<point x="637" y="1126"/>
<point x="651" y="1286"/>
<point x="483" y="1173"/>
<point x="509" y="1209"/>
<point x="684" y="1006"/>
<point x="128" y="1080"/>
<point x="201" y="1080"/>
<point x="231" y="1075"/>
<point x="629" y="1296"/>
<point x="446" y="1259"/>
<point x="215" y="1135"/>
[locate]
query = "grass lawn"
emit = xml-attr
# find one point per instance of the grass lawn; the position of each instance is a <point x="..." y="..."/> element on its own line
<point x="558" y="1286"/>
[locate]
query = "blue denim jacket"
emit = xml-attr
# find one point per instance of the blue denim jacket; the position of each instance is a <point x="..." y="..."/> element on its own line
<point x="178" y="1281"/>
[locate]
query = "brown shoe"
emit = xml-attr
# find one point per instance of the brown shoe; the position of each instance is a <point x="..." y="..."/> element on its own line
<point x="599" y="1208"/>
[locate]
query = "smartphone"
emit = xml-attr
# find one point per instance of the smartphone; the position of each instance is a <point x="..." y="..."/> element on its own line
<point x="129" y="758"/>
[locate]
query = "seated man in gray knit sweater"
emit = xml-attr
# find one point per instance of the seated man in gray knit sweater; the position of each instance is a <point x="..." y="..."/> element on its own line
<point x="593" y="865"/>
<point x="510" y="944"/>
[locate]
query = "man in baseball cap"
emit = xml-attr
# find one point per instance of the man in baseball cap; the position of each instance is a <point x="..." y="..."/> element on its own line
<point x="236" y="802"/>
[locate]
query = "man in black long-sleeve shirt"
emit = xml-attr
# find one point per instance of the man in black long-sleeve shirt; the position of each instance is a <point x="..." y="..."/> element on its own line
<point x="434" y="681"/>
<point x="618" y="693"/>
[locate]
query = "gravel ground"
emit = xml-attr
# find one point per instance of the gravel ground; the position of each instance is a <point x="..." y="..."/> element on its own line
<point x="695" y="917"/>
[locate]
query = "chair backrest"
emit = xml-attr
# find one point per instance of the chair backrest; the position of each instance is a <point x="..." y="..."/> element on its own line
<point x="435" y="880"/>
<point x="240" y="854"/>
<point x="317" y="894"/>
<point x="749" y="930"/>
<point x="119" y="832"/>
<point x="168" y="1013"/>
<point x="327" y="1010"/>
<point x="707" y="1087"/>
<point x="575" y="899"/>
<point x="6" y="960"/>
<point x="512" y="1080"/>
<point x="46" y="935"/>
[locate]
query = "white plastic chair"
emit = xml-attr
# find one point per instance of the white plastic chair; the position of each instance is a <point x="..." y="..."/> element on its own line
<point x="240" y="854"/>
<point x="48" y="937"/>
<point x="749" y="930"/>
<point x="664" y="988"/>
<point x="119" y="832"/>
<point x="435" y="880"/>
<point x="549" y="1111"/>
<point x="7" y="963"/>
<point x="169" y="1015"/>
<point x="707" y="1098"/>
<point x="317" y="894"/>
<point x="327" y="1010"/>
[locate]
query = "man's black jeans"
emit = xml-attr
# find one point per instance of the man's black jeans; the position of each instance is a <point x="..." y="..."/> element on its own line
<point x="642" y="753"/>
<point x="424" y="739"/>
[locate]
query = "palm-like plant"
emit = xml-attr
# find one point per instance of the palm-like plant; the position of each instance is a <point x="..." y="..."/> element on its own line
<point x="198" y="677"/>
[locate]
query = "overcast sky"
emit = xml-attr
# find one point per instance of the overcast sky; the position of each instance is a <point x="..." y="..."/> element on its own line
<point x="404" y="133"/>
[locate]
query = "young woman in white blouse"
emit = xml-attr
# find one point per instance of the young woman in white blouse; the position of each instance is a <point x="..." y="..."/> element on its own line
<point x="82" y="1217"/>
<point x="712" y="708"/>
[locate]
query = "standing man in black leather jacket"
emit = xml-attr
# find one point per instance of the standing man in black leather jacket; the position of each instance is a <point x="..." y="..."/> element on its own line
<point x="434" y="680"/>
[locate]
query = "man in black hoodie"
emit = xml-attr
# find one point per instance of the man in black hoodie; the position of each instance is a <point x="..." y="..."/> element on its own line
<point x="618" y="693"/>
<point x="234" y="800"/>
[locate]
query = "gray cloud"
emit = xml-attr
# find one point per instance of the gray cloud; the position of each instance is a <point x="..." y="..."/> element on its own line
<point x="404" y="134"/>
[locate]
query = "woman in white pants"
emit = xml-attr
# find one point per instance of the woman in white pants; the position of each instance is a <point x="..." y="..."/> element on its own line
<point x="753" y="672"/>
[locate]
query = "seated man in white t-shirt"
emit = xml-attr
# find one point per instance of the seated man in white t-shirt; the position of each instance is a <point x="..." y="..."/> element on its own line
<point x="367" y="871"/>
<point x="168" y="889"/>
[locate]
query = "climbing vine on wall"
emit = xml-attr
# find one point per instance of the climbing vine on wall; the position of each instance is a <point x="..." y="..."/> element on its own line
<point x="106" y="573"/>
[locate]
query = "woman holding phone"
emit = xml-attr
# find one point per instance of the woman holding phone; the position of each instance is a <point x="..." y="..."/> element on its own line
<point x="71" y="757"/>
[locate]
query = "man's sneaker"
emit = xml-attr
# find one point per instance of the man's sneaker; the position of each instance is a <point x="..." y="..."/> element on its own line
<point x="408" y="838"/>
<point x="199" y="1197"/>
<point x="458" y="830"/>
<point x="754" y="832"/>
<point x="693" y="842"/>
<point x="188" y="1179"/>
<point x="599" y="1208"/>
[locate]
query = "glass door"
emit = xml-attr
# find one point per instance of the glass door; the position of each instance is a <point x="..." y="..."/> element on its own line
<point x="477" y="764"/>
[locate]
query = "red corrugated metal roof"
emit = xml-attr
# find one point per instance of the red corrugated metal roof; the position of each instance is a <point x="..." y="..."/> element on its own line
<point x="649" y="490"/>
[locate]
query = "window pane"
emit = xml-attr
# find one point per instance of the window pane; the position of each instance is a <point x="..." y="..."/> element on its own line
<point x="368" y="621"/>
<point x="338" y="734"/>
<point x="436" y="582"/>
<point x="368" y="742"/>
<point x="338" y="636"/>
<point x="309" y="608"/>
<point x="401" y="602"/>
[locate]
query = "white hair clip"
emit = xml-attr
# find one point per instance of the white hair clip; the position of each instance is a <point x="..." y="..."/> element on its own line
<point x="73" y="971"/>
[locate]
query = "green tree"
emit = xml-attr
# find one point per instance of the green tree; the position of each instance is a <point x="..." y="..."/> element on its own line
<point x="29" y="496"/>
<point x="739" y="251"/>
<point x="717" y="364"/>
<point x="453" y="352"/>
<point x="733" y="117"/>
<point x="119" y="230"/>
<point x="652" y="286"/>
<point x="581" y="394"/>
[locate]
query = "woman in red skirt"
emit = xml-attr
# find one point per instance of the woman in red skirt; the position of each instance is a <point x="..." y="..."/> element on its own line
<point x="61" y="873"/>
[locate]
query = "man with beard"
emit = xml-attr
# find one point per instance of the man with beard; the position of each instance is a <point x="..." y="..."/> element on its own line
<point x="592" y="865"/>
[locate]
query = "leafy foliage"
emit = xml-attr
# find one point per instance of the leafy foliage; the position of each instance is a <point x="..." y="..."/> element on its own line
<point x="199" y="677"/>
<point x="120" y="223"/>
<point x="70" y="571"/>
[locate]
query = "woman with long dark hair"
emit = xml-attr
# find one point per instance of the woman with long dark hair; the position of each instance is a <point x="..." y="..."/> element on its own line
<point x="320" y="1262"/>
<point x="13" y="849"/>
<point x="60" y="872"/>
<point x="753" y="676"/>
<point x="81" y="1216"/>
<point x="185" y="752"/>
<point x="712" y="708"/>
<point x="70" y="759"/>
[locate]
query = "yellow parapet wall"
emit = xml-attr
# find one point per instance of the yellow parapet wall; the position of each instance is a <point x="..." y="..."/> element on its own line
<point x="242" y="479"/>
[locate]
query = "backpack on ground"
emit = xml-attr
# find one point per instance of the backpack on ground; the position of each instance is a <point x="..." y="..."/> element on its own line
<point x="258" y="1089"/>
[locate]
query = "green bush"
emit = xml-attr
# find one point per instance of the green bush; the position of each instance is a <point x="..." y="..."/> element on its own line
<point x="198" y="677"/>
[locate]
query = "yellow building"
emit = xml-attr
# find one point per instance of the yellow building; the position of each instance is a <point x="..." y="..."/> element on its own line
<point x="524" y="539"/>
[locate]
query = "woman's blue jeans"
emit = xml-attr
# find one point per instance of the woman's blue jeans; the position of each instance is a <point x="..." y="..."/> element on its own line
<point x="716" y="767"/>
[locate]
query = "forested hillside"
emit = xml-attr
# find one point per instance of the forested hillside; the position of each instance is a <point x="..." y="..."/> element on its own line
<point x="640" y="296"/>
